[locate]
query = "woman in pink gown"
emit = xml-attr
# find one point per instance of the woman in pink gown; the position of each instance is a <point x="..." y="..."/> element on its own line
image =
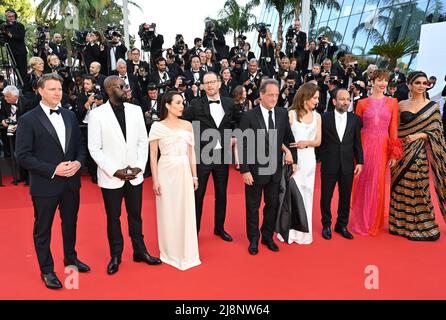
<point x="379" y="134"/>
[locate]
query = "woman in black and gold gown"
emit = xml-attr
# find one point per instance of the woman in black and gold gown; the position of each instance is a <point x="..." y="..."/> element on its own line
<point x="411" y="211"/>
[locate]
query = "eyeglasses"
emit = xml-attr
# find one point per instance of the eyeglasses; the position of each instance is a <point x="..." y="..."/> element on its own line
<point x="210" y="82"/>
<point x="425" y="83"/>
<point x="123" y="86"/>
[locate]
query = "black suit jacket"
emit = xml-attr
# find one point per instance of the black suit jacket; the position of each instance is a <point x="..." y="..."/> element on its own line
<point x="17" y="42"/>
<point x="190" y="76"/>
<point x="23" y="106"/>
<point x="253" y="120"/>
<point x="337" y="156"/>
<point x="39" y="151"/>
<point x="61" y="53"/>
<point x="119" y="54"/>
<point x="199" y="110"/>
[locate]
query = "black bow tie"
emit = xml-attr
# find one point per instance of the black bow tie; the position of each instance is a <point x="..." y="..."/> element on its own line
<point x="124" y="77"/>
<point x="55" y="110"/>
<point x="214" y="101"/>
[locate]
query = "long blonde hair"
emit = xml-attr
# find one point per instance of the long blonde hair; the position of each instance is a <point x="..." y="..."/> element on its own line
<point x="305" y="93"/>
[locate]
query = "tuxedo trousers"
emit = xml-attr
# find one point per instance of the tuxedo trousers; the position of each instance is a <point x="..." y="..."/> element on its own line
<point x="44" y="211"/>
<point x="328" y="183"/>
<point x="132" y="196"/>
<point x="220" y="176"/>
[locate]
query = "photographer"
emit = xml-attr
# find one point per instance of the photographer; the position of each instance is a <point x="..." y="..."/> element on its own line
<point x="37" y="70"/>
<point x="327" y="93"/>
<point x="115" y="49"/>
<point x="288" y="92"/>
<point x="160" y="77"/>
<point x="151" y="41"/>
<point x="55" y="66"/>
<point x="172" y="66"/>
<point x="228" y="84"/>
<point x="397" y="76"/>
<point x="315" y="74"/>
<point x="150" y="105"/>
<point x="198" y="47"/>
<point x="95" y="71"/>
<point x="195" y="74"/>
<point x="285" y="71"/>
<point x="267" y="50"/>
<point x="95" y="51"/>
<point x="57" y="48"/>
<point x="138" y="68"/>
<point x="326" y="49"/>
<point x="296" y="41"/>
<point x="239" y="50"/>
<point x="357" y="92"/>
<point x="309" y="57"/>
<point x="41" y="47"/>
<point x="15" y="37"/>
<point x="129" y="80"/>
<point x="215" y="40"/>
<point x="250" y="79"/>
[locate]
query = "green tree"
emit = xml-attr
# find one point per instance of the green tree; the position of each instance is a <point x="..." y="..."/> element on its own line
<point x="24" y="9"/>
<point x="236" y="19"/>
<point x="392" y="51"/>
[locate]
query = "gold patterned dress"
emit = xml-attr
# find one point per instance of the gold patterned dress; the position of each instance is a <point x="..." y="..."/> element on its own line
<point x="411" y="211"/>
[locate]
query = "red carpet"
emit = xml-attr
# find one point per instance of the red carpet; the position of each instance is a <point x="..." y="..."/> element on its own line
<point x="324" y="270"/>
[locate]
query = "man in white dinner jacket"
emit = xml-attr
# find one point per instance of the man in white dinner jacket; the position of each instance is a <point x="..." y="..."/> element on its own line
<point x="117" y="141"/>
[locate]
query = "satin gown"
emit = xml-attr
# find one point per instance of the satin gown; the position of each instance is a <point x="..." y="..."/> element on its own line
<point x="175" y="207"/>
<point x="304" y="177"/>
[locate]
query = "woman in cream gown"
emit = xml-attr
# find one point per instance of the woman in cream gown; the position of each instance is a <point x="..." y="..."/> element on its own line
<point x="174" y="181"/>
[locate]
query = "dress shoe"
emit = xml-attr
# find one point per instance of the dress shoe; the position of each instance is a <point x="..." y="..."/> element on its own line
<point x="51" y="280"/>
<point x="270" y="245"/>
<point x="253" y="248"/>
<point x="113" y="265"/>
<point x="343" y="232"/>
<point x="81" y="267"/>
<point x="326" y="233"/>
<point x="223" y="234"/>
<point x="147" y="258"/>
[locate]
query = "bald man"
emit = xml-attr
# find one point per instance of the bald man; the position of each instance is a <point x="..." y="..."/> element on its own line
<point x="57" y="48"/>
<point x="117" y="141"/>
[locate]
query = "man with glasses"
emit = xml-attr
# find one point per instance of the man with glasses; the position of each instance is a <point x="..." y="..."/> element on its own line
<point x="215" y="113"/>
<point x="117" y="141"/>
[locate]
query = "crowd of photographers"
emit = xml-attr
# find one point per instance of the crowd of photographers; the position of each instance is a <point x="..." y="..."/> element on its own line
<point x="178" y="67"/>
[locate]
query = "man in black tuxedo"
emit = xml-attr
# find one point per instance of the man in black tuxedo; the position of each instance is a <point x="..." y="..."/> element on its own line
<point x="15" y="37"/>
<point x="299" y="41"/>
<point x="195" y="74"/>
<point x="115" y="51"/>
<point x="48" y="145"/>
<point x="160" y="76"/>
<point x="341" y="148"/>
<point x="217" y="113"/>
<point x="13" y="105"/>
<point x="271" y="128"/>
<point x="57" y="48"/>
<point x="397" y="76"/>
<point x="129" y="80"/>
<point x="138" y="68"/>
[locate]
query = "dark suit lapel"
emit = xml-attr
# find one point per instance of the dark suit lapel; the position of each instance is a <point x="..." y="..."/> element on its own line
<point x="48" y="126"/>
<point x="332" y="124"/>
<point x="277" y="120"/>
<point x="259" y="116"/>
<point x="68" y="128"/>
<point x="207" y="111"/>
<point x="349" y="124"/>
<point x="226" y="110"/>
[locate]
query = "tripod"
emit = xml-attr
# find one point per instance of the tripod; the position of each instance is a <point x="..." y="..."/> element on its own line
<point x="8" y="63"/>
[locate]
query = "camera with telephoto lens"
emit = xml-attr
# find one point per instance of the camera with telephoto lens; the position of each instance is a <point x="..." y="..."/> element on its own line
<point x="262" y="29"/>
<point x="41" y="37"/>
<point x="79" y="40"/>
<point x="110" y="32"/>
<point x="147" y="34"/>
<point x="11" y="122"/>
<point x="3" y="31"/>
<point x="178" y="48"/>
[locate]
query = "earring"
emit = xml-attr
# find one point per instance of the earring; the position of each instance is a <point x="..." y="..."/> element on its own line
<point x="410" y="94"/>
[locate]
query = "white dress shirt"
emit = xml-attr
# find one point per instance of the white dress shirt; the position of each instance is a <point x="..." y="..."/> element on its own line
<point x="217" y="113"/>
<point x="125" y="77"/>
<point x="57" y="122"/>
<point x="265" y="114"/>
<point x="341" y="123"/>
